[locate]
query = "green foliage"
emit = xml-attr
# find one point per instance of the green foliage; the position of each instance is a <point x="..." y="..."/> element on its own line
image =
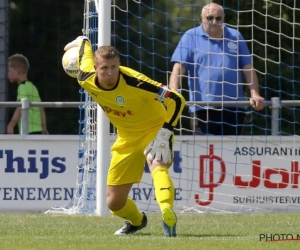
<point x="146" y="34"/>
<point x="271" y="31"/>
<point x="268" y="30"/>
<point x="40" y="29"/>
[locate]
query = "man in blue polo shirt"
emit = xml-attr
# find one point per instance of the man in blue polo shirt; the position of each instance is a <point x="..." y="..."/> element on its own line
<point x="215" y="57"/>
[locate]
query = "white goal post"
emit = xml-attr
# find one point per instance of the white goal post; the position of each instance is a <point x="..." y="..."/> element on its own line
<point x="103" y="138"/>
<point x="94" y="157"/>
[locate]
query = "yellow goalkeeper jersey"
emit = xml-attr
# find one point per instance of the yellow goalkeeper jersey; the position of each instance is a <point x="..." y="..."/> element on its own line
<point x="137" y="103"/>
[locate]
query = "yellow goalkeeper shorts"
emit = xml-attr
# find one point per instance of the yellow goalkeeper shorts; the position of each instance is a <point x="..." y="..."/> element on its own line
<point x="128" y="159"/>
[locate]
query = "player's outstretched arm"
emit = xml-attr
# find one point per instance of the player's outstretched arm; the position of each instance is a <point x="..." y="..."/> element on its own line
<point x="76" y="42"/>
<point x="85" y="53"/>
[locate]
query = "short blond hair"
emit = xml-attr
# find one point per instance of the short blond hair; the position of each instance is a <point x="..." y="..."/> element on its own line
<point x="19" y="60"/>
<point x="106" y="52"/>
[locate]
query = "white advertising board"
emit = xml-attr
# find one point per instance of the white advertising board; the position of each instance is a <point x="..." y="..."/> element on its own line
<point x="37" y="173"/>
<point x="215" y="174"/>
<point x="209" y="174"/>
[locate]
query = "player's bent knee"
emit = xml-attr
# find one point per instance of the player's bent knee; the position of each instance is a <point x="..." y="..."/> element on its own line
<point x="115" y="204"/>
<point x="117" y="196"/>
<point x="115" y="201"/>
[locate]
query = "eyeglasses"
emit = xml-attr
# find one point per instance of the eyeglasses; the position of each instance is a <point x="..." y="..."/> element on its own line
<point x="211" y="18"/>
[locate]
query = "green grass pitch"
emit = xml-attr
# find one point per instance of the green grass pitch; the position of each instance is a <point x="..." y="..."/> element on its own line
<point x="195" y="231"/>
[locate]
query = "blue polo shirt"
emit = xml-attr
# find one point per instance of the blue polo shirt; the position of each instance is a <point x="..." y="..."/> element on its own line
<point x="213" y="65"/>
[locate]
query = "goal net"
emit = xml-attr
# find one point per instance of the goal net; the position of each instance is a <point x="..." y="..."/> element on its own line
<point x="257" y="171"/>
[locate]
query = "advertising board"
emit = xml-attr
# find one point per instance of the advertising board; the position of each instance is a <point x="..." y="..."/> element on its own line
<point x="37" y="173"/>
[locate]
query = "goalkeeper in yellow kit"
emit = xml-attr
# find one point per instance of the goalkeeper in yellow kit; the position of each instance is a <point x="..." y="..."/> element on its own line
<point x="144" y="113"/>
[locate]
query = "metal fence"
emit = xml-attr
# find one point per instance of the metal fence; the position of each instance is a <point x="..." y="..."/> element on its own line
<point x="275" y="105"/>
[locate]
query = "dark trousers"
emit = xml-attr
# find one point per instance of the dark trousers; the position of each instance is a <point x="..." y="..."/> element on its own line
<point x="228" y="121"/>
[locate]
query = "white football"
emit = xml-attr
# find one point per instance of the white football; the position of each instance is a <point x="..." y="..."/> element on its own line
<point x="70" y="62"/>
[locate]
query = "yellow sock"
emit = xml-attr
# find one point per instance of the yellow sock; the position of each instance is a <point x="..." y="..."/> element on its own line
<point x="164" y="189"/>
<point x="130" y="212"/>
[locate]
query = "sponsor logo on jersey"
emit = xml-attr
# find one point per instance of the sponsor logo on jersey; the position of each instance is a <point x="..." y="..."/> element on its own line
<point x="115" y="112"/>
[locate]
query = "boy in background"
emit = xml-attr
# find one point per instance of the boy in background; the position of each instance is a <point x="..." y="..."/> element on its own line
<point x="18" y="67"/>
